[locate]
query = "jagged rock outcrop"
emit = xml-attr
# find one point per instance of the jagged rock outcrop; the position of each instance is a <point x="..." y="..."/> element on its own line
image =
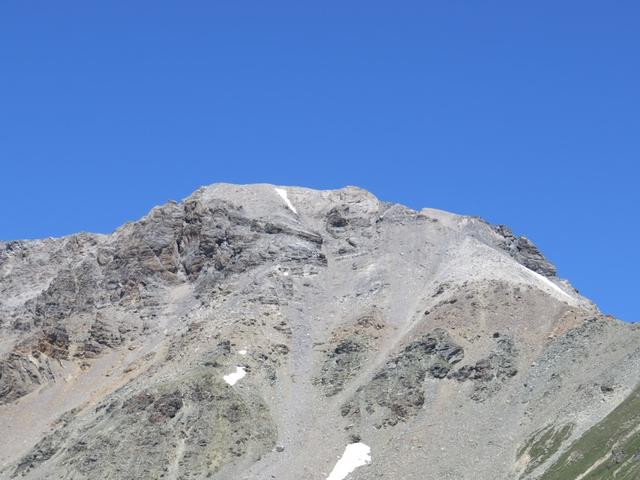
<point x="524" y="251"/>
<point x="397" y="388"/>
<point x="256" y="331"/>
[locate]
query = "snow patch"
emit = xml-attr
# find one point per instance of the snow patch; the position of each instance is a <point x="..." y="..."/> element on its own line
<point x="242" y="352"/>
<point x="232" y="378"/>
<point x="283" y="193"/>
<point x="546" y="281"/>
<point x="355" y="455"/>
<point x="472" y="260"/>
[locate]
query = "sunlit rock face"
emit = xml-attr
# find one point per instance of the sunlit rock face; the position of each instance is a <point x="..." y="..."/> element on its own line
<point x="257" y="332"/>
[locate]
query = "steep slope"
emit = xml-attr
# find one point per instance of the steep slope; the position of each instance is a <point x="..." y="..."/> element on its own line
<point x="265" y="332"/>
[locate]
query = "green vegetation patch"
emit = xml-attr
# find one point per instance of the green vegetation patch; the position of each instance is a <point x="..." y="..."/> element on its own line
<point x="609" y="450"/>
<point x="543" y="444"/>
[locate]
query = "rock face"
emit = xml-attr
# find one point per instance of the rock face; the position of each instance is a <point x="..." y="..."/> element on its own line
<point x="256" y="331"/>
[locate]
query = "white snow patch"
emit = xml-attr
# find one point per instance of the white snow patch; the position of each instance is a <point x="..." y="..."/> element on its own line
<point x="355" y="455"/>
<point x="232" y="378"/>
<point x="283" y="193"/>
<point x="546" y="281"/>
<point x="242" y="352"/>
<point x="472" y="260"/>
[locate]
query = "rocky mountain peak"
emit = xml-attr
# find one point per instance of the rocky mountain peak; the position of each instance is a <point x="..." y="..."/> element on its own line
<point x="227" y="335"/>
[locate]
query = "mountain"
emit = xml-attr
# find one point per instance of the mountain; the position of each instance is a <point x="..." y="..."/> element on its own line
<point x="261" y="332"/>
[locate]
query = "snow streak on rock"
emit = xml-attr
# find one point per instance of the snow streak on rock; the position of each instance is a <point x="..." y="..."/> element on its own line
<point x="283" y="193"/>
<point x="542" y="279"/>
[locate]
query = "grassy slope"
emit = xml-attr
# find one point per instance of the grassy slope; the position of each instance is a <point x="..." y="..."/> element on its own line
<point x="609" y="450"/>
<point x="543" y="444"/>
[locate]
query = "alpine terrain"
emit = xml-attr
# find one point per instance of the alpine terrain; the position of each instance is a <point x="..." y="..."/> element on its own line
<point x="261" y="332"/>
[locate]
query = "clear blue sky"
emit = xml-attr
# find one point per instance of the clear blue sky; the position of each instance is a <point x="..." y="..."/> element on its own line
<point x="525" y="113"/>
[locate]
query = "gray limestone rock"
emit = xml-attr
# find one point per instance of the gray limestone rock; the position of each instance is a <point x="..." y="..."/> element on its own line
<point x="254" y="331"/>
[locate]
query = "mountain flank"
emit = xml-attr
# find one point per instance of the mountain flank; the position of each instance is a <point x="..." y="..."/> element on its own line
<point x="267" y="332"/>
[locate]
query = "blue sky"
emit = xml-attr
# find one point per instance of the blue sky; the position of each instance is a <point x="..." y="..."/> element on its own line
<point x="524" y="113"/>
